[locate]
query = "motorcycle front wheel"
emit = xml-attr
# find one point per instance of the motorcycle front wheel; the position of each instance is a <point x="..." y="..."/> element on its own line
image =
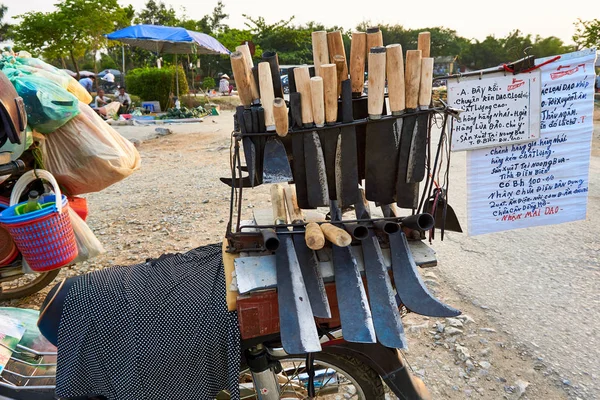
<point x="336" y="377"/>
<point x="21" y="285"/>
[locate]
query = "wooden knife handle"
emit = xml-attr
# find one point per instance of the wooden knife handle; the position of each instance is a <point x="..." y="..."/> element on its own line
<point x="358" y="53"/>
<point x="245" y="50"/>
<point x="241" y="72"/>
<point x="424" y="44"/>
<point x="412" y="78"/>
<point x="292" y="206"/>
<point x="268" y="96"/>
<point x="374" y="38"/>
<point x="278" y="204"/>
<point x="395" y="78"/>
<point x="330" y="95"/>
<point x="317" y="101"/>
<point x="376" y="93"/>
<point x="341" y="71"/>
<point x="320" y="50"/>
<point x="315" y="239"/>
<point x="426" y="82"/>
<point x="335" y="235"/>
<point x="335" y="44"/>
<point x="302" y="77"/>
<point x="280" y="113"/>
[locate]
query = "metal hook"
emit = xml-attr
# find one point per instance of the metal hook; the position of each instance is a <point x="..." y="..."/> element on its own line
<point x="458" y="77"/>
<point x="480" y="75"/>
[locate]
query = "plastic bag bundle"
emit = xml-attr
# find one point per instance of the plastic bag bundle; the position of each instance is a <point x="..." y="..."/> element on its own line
<point x="88" y="155"/>
<point x="48" y="105"/>
<point x="52" y="73"/>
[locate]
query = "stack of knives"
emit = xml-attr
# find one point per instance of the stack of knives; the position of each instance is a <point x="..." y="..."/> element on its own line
<point x="336" y="138"/>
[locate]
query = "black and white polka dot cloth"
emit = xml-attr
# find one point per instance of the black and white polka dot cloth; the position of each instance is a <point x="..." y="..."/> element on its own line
<point x="157" y="330"/>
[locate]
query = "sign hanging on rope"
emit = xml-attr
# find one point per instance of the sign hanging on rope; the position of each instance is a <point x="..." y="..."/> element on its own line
<point x="544" y="181"/>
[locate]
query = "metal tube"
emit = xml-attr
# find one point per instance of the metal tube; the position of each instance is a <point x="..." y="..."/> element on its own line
<point x="358" y="232"/>
<point x="387" y="226"/>
<point x="270" y="239"/>
<point x="419" y="222"/>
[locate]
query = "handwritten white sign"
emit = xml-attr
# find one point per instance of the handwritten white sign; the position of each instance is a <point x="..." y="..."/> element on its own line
<point x="545" y="181"/>
<point x="498" y="109"/>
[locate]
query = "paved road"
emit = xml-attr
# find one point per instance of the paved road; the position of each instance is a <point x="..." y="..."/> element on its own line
<point x="541" y="284"/>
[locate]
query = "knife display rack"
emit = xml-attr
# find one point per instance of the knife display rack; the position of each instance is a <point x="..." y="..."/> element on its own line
<point x="247" y="238"/>
<point x="329" y="146"/>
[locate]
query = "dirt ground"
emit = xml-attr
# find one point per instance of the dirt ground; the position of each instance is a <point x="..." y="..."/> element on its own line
<point x="176" y="202"/>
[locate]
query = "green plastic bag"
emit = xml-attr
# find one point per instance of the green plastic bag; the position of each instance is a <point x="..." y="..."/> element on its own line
<point x="48" y="105"/>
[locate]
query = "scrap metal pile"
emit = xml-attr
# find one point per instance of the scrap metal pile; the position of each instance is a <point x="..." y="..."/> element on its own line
<point x="328" y="140"/>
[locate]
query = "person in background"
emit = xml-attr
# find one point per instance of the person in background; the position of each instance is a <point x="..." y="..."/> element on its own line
<point x="598" y="81"/>
<point x="109" y="80"/>
<point x="224" y="84"/>
<point x="124" y="99"/>
<point x="101" y="100"/>
<point x="88" y="83"/>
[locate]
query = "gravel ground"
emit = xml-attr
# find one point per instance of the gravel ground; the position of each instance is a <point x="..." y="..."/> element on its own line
<point x="176" y="202"/>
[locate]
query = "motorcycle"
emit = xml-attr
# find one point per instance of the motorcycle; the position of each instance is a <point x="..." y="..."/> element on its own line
<point x="340" y="370"/>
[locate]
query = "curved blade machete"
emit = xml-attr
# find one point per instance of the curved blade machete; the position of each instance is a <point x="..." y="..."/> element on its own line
<point x="410" y="286"/>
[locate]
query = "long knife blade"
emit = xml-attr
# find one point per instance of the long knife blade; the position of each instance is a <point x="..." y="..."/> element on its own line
<point x="355" y="314"/>
<point x="386" y="316"/>
<point x="309" y="264"/>
<point x="298" y="331"/>
<point x="346" y="167"/>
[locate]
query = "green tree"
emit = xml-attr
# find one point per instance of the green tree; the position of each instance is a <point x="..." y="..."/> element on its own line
<point x="75" y="28"/>
<point x="4" y="27"/>
<point x="587" y="34"/>
<point x="157" y="14"/>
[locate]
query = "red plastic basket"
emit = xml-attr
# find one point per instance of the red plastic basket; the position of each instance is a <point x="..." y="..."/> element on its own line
<point x="46" y="243"/>
<point x="45" y="237"/>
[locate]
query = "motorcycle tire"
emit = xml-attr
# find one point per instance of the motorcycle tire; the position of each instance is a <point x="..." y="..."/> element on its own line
<point x="38" y="283"/>
<point x="365" y="382"/>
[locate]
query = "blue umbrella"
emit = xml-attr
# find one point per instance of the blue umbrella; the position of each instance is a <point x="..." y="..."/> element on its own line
<point x="168" y="40"/>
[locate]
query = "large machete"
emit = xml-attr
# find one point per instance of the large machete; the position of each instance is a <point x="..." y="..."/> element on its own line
<point x="298" y="330"/>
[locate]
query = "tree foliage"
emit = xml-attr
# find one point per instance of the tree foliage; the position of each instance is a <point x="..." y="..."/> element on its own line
<point x="587" y="34"/>
<point x="74" y="28"/>
<point x="4" y="27"/>
<point x="157" y="13"/>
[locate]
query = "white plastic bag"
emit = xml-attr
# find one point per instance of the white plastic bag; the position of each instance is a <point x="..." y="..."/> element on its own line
<point x="87" y="155"/>
<point x="88" y="245"/>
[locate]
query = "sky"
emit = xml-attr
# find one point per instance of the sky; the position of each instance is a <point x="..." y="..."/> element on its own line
<point x="473" y="19"/>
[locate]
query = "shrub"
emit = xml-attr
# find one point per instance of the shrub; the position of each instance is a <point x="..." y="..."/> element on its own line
<point x="208" y="83"/>
<point x="155" y="84"/>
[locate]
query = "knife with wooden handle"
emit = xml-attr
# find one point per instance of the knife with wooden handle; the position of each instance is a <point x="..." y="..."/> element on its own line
<point x="341" y="70"/>
<point x="374" y="38"/>
<point x="407" y="196"/>
<point x="242" y="77"/>
<point x="358" y="53"/>
<point x="320" y="50"/>
<point x="309" y="265"/>
<point x="337" y="56"/>
<point x="424" y="44"/>
<point x="280" y="114"/>
<point x="276" y="167"/>
<point x="329" y="137"/>
<point x="298" y="332"/>
<point x="245" y="50"/>
<point x="381" y="158"/>
<point x="266" y="91"/>
<point x="311" y="95"/>
<point x="395" y="78"/>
